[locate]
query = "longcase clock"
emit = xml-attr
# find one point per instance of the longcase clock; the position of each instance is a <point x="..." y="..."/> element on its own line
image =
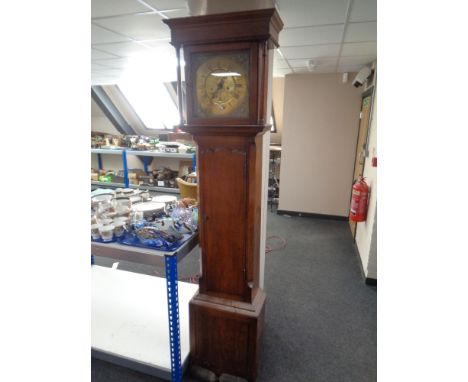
<point x="227" y="75"/>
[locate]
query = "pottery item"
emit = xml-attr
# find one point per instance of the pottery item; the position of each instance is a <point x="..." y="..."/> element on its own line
<point x="105" y="221"/>
<point x="95" y="231"/>
<point x="107" y="232"/>
<point x="120" y="219"/>
<point x="149" y="208"/>
<point x="122" y="202"/>
<point x="123" y="211"/>
<point x="109" y="215"/>
<point x="163" y="224"/>
<point x="169" y="201"/>
<point x="98" y="199"/>
<point x="135" y="199"/>
<point x="119" y="228"/>
<point x="145" y="196"/>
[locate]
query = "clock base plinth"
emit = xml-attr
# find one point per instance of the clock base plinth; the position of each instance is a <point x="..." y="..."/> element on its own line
<point x="225" y="335"/>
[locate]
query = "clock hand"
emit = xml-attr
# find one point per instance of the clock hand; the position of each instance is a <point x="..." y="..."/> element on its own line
<point x="218" y="88"/>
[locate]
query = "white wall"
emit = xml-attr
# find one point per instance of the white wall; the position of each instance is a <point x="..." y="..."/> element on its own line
<point x="320" y="127"/>
<point x="366" y="232"/>
<point x="372" y="263"/>
<point x="278" y="105"/>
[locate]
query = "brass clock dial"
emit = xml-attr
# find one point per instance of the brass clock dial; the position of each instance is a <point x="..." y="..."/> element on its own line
<point x="222" y="85"/>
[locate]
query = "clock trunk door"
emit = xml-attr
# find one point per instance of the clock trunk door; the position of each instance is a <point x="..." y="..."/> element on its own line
<point x="223" y="210"/>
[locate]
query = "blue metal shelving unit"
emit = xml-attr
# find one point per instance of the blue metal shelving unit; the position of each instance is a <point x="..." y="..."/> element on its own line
<point x="146" y="155"/>
<point x="172" y="290"/>
<point x="170" y="260"/>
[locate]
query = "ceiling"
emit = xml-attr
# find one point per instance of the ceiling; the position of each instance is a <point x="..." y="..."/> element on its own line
<point x="322" y="36"/>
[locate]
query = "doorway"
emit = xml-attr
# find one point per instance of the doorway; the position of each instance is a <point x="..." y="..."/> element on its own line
<point x="361" y="144"/>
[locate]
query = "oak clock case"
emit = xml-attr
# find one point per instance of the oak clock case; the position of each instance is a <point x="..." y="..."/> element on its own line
<point x="221" y="80"/>
<point x="227" y="75"/>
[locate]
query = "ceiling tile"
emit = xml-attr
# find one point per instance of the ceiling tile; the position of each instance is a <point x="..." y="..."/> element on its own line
<point x="319" y="69"/>
<point x="124" y="49"/>
<point x="359" y="60"/>
<point x="299" y="13"/>
<point x="359" y="49"/>
<point x="311" y="35"/>
<point x="177" y="13"/>
<point x="349" y="68"/>
<point x="98" y="55"/>
<point x="311" y="51"/>
<point x="167" y="4"/>
<point x="138" y="27"/>
<point x="326" y="69"/>
<point x="100" y="35"/>
<point x="280" y="64"/>
<point x="118" y="63"/>
<point x="100" y="80"/>
<point x="361" y="32"/>
<point x="103" y="8"/>
<point x="161" y="48"/>
<point x="111" y="72"/>
<point x="281" y="72"/>
<point x="98" y="67"/>
<point x="363" y="10"/>
<point x="277" y="55"/>
<point x="158" y="44"/>
<point x="320" y="62"/>
<point x="98" y="72"/>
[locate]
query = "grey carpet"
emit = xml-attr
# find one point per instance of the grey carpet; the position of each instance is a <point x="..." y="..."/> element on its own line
<point x="320" y="323"/>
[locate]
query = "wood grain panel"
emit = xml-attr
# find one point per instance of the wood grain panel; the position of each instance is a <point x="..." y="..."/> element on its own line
<point x="226" y="339"/>
<point x="223" y="214"/>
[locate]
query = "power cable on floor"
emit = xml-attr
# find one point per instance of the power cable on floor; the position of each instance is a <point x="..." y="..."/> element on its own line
<point x="268" y="249"/>
<point x="191" y="279"/>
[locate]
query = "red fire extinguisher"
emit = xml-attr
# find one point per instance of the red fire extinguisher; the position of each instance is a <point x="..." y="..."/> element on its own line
<point x="359" y="199"/>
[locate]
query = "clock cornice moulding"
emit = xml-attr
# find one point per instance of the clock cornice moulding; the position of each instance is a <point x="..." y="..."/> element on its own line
<point x="262" y="24"/>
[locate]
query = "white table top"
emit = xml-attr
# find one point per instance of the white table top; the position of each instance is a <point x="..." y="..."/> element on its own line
<point x="129" y="316"/>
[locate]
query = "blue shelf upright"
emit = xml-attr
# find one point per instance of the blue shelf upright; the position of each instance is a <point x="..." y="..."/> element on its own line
<point x="145" y="165"/>
<point x="173" y="312"/>
<point x="99" y="158"/>
<point x="125" y="168"/>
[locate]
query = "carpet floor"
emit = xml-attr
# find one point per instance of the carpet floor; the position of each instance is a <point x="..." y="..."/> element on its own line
<point x="321" y="318"/>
